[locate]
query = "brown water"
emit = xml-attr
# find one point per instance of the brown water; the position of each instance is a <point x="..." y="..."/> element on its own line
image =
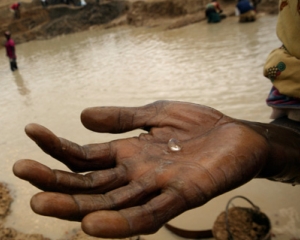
<point x="217" y="65"/>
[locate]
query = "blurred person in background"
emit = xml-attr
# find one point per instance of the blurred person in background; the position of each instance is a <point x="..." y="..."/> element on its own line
<point x="245" y="10"/>
<point x="15" y="9"/>
<point x="11" y="51"/>
<point x="213" y="11"/>
<point x="282" y="67"/>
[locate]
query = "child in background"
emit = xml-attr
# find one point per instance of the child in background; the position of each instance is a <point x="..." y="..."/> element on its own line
<point x="283" y="64"/>
<point x="11" y="51"/>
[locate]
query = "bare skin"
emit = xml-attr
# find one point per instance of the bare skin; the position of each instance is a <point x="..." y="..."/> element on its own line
<point x="133" y="186"/>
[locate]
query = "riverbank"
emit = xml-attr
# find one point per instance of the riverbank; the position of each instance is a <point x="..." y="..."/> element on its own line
<point x="38" y="23"/>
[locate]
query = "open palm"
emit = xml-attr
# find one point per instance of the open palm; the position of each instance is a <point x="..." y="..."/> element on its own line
<point x="133" y="186"/>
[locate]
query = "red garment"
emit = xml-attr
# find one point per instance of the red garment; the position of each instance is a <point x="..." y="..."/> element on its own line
<point x="10" y="49"/>
<point x="15" y="6"/>
<point x="217" y="6"/>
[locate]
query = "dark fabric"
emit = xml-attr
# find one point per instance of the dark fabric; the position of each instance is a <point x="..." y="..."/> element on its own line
<point x="13" y="64"/>
<point x="212" y="15"/>
<point x="244" y="6"/>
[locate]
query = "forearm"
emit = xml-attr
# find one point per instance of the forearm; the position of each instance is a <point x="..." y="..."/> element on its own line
<point x="283" y="138"/>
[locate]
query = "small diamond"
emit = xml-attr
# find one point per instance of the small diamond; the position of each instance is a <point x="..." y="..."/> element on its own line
<point x="174" y="145"/>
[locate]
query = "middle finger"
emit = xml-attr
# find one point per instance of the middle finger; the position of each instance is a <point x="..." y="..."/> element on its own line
<point x="47" y="179"/>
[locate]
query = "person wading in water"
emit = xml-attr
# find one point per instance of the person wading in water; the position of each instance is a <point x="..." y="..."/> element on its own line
<point x="11" y="51"/>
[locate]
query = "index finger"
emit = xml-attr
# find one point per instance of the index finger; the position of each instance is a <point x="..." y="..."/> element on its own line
<point x="77" y="158"/>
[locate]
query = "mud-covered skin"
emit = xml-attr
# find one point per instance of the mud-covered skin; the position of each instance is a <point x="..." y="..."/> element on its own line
<point x="135" y="185"/>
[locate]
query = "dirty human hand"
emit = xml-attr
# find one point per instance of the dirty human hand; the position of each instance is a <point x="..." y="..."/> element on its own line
<point x="133" y="186"/>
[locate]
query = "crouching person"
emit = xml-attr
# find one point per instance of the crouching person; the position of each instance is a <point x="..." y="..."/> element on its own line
<point x="245" y="11"/>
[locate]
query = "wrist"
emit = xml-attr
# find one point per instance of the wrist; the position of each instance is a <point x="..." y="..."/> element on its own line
<point x="283" y="158"/>
<point x="288" y="123"/>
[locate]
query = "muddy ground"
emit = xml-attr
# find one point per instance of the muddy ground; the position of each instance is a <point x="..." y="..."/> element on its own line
<point x="37" y="22"/>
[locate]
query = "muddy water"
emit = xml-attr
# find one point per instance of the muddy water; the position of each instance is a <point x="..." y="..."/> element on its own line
<point x="216" y="65"/>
